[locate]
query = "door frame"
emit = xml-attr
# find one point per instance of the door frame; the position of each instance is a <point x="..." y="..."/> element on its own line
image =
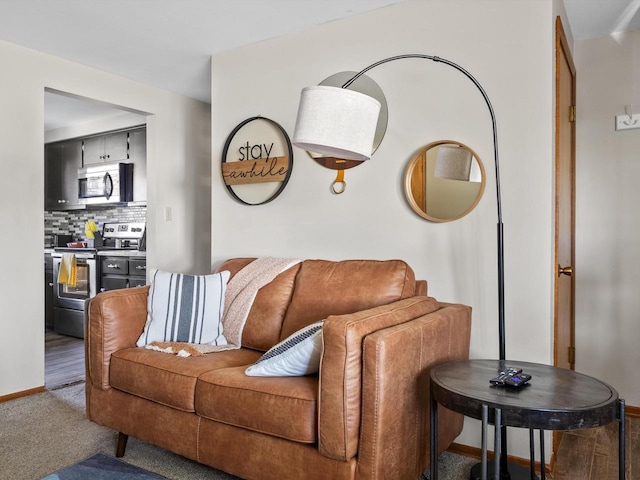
<point x="562" y="47"/>
<point x="562" y="52"/>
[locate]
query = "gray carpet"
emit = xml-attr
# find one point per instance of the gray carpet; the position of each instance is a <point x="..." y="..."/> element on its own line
<point x="43" y="433"/>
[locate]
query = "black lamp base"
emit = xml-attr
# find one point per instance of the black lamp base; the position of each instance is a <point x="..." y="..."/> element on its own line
<point x="515" y="472"/>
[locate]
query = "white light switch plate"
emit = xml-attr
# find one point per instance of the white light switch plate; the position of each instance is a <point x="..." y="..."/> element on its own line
<point x="623" y="122"/>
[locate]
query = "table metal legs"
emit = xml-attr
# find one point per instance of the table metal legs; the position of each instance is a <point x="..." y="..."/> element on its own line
<point x="543" y="468"/>
<point x="485" y="422"/>
<point x="532" y="452"/>
<point x="433" y="467"/>
<point x="497" y="442"/>
<point x="532" y="456"/>
<point x="498" y="446"/>
<point x="622" y="464"/>
<point x="433" y="445"/>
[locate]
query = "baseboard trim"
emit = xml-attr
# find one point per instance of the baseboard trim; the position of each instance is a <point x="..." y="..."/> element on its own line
<point x="475" y="452"/>
<point x="24" y="393"/>
<point x="631" y="411"/>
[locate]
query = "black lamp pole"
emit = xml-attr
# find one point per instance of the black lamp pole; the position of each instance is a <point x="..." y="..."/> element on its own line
<point x="497" y="169"/>
<point x="507" y="470"/>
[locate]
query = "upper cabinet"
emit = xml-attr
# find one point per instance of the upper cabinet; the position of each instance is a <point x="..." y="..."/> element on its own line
<point x="61" y="163"/>
<point x="64" y="158"/>
<point x="138" y="156"/>
<point x="113" y="147"/>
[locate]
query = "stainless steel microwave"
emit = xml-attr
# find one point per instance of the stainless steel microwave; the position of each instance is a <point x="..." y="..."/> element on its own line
<point x="105" y="183"/>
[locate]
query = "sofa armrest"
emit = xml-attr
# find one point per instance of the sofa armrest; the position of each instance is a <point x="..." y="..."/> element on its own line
<point x="339" y="409"/>
<point x="114" y="320"/>
<point x="394" y="437"/>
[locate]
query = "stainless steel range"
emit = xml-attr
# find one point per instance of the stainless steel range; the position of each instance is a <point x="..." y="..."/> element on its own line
<point x="68" y="300"/>
<point x="124" y="236"/>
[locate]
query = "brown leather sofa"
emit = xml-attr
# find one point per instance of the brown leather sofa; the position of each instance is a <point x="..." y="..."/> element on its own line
<point x="364" y="416"/>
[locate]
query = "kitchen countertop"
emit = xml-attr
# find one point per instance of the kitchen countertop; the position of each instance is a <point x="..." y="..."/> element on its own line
<point x="121" y="253"/>
<point x="110" y="253"/>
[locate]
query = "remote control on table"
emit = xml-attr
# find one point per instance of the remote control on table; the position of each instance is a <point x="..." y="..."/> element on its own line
<point x="512" y="377"/>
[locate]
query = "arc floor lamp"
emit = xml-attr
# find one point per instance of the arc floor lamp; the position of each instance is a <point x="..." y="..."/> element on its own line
<point x="339" y="122"/>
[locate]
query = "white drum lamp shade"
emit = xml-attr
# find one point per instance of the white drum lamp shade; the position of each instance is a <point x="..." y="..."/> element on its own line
<point x="453" y="162"/>
<point x="336" y="122"/>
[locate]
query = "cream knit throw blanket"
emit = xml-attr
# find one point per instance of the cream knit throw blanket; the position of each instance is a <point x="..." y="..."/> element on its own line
<point x="238" y="299"/>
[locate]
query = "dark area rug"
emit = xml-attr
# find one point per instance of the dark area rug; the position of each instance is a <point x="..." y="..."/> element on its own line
<point x="103" y="467"/>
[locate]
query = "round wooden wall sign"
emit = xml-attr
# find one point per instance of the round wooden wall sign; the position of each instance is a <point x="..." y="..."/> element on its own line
<point x="257" y="161"/>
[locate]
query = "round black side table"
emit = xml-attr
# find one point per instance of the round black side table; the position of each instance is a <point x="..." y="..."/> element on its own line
<point x="554" y="399"/>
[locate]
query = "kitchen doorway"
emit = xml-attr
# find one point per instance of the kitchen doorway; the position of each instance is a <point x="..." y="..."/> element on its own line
<point x="68" y="117"/>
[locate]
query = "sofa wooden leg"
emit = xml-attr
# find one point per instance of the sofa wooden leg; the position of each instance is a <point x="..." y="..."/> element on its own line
<point x="122" y="444"/>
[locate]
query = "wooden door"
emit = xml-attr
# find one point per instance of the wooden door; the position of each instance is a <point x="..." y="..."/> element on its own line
<point x="564" y="283"/>
<point x="564" y="329"/>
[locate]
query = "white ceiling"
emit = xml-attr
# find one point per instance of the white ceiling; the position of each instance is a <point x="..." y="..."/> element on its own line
<point x="596" y="18"/>
<point x="168" y="43"/>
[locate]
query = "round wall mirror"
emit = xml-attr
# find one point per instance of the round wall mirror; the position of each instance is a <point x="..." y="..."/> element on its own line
<point x="444" y="181"/>
<point x="367" y="86"/>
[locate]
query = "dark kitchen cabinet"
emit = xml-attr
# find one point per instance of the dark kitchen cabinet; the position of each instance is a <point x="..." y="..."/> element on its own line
<point x="112" y="282"/>
<point x="53" y="176"/>
<point x="138" y="156"/>
<point x="122" y="272"/>
<point x="48" y="292"/>
<point x="115" y="265"/>
<point x="137" y="282"/>
<point x="138" y="267"/>
<point x="61" y="163"/>
<point x="111" y="147"/>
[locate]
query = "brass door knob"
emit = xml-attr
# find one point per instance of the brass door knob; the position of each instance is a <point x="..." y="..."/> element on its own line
<point x="568" y="271"/>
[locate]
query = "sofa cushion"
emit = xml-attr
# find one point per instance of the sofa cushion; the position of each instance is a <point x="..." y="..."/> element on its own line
<point x="185" y="308"/>
<point x="326" y="288"/>
<point x="298" y="354"/>
<point x="284" y="407"/>
<point x="167" y="379"/>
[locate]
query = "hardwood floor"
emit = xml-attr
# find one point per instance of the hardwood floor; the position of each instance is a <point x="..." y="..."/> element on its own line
<point x="593" y="454"/>
<point x="63" y="360"/>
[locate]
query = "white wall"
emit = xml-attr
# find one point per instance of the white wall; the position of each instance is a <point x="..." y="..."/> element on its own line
<point x="508" y="47"/>
<point x="125" y="120"/>
<point x="607" y="221"/>
<point x="178" y="173"/>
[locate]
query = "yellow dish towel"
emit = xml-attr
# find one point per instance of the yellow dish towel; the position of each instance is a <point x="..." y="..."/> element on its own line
<point x="68" y="271"/>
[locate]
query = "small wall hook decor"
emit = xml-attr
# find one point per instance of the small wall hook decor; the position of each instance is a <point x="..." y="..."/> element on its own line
<point x="628" y="121"/>
<point x="629" y="111"/>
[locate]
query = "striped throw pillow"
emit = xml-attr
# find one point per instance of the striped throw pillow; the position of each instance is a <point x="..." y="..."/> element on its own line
<point x="297" y="355"/>
<point x="185" y="308"/>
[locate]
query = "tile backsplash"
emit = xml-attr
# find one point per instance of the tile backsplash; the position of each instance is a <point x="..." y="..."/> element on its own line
<point x="72" y="221"/>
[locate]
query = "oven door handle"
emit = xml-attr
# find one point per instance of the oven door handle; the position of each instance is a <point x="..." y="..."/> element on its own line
<point x="108" y="185"/>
